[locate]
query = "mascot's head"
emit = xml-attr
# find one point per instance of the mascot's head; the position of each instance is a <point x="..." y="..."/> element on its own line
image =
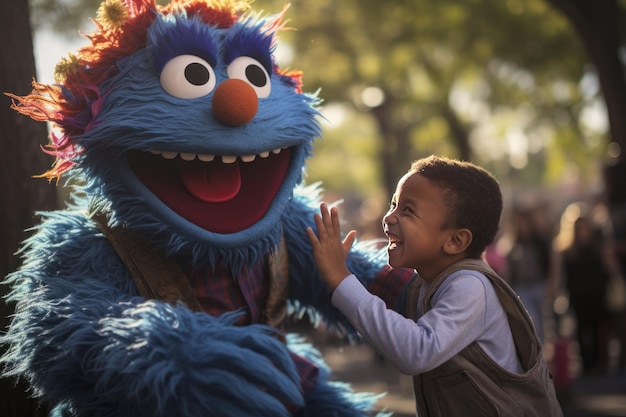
<point x="179" y="121"/>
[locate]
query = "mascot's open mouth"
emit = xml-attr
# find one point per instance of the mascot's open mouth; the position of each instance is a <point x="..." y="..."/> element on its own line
<point x="221" y="194"/>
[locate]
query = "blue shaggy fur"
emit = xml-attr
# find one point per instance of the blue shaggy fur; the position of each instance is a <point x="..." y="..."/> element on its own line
<point x="83" y="336"/>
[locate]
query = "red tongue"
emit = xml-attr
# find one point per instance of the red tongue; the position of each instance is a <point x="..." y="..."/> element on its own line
<point x="211" y="182"/>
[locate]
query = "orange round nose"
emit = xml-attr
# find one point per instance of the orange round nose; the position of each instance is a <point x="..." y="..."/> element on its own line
<point x="234" y="102"/>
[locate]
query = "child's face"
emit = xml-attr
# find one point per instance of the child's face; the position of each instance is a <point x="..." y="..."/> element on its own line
<point x="415" y="223"/>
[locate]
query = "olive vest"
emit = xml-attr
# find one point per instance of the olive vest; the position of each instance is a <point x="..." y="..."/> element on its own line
<point x="471" y="384"/>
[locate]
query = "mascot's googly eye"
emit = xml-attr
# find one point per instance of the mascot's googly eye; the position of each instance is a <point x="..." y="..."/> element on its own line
<point x="251" y="71"/>
<point x="188" y="76"/>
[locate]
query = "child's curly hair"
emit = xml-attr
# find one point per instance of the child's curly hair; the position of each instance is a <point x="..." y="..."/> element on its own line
<point x="472" y="195"/>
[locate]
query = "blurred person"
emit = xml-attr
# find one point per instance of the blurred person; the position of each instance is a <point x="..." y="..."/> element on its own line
<point x="585" y="268"/>
<point x="611" y="227"/>
<point x="528" y="266"/>
<point x="618" y="230"/>
<point x="463" y="333"/>
<point x="495" y="256"/>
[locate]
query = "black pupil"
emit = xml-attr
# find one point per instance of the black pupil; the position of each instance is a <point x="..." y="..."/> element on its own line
<point x="255" y="75"/>
<point x="197" y="74"/>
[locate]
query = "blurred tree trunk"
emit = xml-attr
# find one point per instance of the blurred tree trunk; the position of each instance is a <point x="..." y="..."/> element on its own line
<point x="599" y="25"/>
<point x="396" y="150"/>
<point x="21" y="195"/>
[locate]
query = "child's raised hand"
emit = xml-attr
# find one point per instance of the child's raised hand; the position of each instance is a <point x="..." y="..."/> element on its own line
<point x="329" y="250"/>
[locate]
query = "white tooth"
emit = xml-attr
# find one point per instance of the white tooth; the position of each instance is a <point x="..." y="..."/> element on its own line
<point x="248" y="158"/>
<point x="206" y="157"/>
<point x="188" y="156"/>
<point x="169" y="155"/>
<point x="276" y="151"/>
<point x="264" y="154"/>
<point x="228" y="159"/>
<point x="155" y="152"/>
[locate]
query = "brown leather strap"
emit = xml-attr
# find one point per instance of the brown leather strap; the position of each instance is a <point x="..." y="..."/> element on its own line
<point x="275" y="309"/>
<point x="156" y="275"/>
<point x="411" y="298"/>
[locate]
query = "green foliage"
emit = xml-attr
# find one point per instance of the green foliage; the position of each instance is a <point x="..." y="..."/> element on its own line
<point x="65" y="17"/>
<point x="505" y="71"/>
<point x="345" y="160"/>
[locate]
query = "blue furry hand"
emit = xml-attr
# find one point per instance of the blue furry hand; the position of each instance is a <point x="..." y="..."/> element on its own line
<point x="193" y="353"/>
<point x="153" y="359"/>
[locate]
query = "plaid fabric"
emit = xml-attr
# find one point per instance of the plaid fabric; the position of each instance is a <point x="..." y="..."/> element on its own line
<point x="219" y="292"/>
<point x="390" y="283"/>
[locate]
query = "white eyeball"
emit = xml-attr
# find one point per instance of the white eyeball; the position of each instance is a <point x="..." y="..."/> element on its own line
<point x="251" y="71"/>
<point x="187" y="76"/>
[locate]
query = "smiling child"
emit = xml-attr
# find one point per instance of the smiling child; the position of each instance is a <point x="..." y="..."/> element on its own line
<point x="463" y="334"/>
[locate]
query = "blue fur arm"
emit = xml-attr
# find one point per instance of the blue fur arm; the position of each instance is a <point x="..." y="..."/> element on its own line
<point x="89" y="343"/>
<point x="309" y="294"/>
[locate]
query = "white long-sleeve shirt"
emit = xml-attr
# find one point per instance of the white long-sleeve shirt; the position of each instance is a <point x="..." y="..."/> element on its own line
<point x="464" y="309"/>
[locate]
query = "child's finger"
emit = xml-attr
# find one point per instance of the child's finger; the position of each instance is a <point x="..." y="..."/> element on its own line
<point x="326" y="216"/>
<point x="335" y="219"/>
<point x="319" y="223"/>
<point x="349" y="240"/>
<point x="312" y="237"/>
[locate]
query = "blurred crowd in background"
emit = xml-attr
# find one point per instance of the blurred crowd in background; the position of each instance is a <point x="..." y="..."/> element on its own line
<point x="569" y="272"/>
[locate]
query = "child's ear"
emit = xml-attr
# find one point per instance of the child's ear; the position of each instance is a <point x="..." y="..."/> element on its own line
<point x="458" y="242"/>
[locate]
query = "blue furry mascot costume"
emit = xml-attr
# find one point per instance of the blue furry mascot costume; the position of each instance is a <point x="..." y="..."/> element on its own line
<point x="162" y="289"/>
